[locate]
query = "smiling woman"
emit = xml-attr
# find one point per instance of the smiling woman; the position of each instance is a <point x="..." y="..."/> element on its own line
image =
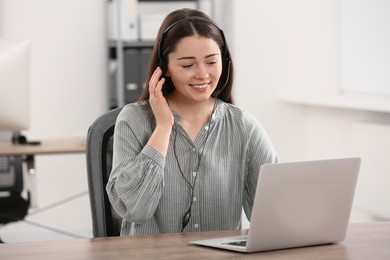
<point x="174" y="169"/>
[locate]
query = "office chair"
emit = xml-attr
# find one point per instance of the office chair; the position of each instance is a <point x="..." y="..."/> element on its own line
<point x="105" y="221"/>
<point x="13" y="205"/>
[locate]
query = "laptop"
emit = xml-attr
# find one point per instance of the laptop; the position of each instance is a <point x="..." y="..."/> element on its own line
<point x="297" y="204"/>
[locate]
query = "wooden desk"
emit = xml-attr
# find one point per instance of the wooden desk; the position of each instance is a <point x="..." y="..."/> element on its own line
<point x="50" y="146"/>
<point x="364" y="241"/>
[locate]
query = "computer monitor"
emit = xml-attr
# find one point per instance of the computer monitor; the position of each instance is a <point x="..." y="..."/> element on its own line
<point x="15" y="81"/>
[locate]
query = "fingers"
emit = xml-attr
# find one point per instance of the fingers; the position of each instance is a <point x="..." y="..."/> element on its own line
<point x="158" y="102"/>
<point x="155" y="83"/>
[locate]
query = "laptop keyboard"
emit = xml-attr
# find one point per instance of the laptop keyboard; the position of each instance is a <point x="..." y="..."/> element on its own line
<point x="236" y="243"/>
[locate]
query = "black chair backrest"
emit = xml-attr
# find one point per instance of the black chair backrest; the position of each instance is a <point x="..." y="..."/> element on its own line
<point x="13" y="206"/>
<point x="11" y="174"/>
<point x="105" y="221"/>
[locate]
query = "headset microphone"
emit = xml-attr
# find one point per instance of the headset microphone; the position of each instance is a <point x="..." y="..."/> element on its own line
<point x="219" y="89"/>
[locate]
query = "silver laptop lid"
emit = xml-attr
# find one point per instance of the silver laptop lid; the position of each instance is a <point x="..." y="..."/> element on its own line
<point x="302" y="203"/>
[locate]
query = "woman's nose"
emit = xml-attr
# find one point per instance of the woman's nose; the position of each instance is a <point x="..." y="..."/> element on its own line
<point x="201" y="72"/>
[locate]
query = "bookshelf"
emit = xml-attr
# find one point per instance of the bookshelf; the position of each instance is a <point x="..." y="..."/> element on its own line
<point x="129" y="47"/>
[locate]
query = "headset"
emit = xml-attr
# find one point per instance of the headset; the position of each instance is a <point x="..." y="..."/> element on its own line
<point x="163" y="64"/>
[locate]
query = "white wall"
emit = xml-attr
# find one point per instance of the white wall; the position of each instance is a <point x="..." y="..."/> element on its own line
<point x="294" y="45"/>
<point x="68" y="82"/>
<point x="68" y="62"/>
<point x="277" y="49"/>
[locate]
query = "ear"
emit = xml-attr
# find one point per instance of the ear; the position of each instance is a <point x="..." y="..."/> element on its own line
<point x="167" y="74"/>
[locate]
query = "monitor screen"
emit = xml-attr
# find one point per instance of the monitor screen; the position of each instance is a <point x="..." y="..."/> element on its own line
<point x="14" y="85"/>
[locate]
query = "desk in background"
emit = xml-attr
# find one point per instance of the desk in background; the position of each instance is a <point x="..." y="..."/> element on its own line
<point x="50" y="146"/>
<point x="364" y="241"/>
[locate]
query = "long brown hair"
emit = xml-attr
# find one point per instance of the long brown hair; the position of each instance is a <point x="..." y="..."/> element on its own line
<point x="171" y="31"/>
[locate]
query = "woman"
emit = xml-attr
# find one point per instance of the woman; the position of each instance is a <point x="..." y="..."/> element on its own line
<point x="185" y="158"/>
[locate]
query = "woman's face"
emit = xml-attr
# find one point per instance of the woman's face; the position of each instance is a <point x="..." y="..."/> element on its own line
<point x="195" y="67"/>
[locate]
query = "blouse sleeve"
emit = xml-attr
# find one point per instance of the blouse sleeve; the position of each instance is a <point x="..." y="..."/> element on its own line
<point x="136" y="181"/>
<point x="259" y="151"/>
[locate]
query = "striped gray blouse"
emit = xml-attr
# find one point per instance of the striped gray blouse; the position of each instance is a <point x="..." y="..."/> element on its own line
<point x="215" y="175"/>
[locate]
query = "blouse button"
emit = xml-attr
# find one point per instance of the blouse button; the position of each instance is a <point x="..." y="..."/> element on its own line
<point x="206" y="127"/>
<point x="196" y="225"/>
<point x="194" y="149"/>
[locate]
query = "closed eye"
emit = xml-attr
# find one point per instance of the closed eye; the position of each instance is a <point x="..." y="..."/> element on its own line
<point x="187" y="66"/>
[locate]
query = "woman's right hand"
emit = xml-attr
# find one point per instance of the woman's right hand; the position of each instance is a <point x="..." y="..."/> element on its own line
<point x="159" y="104"/>
<point x="159" y="139"/>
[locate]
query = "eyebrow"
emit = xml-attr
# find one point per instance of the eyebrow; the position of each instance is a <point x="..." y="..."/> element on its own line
<point x="193" y="58"/>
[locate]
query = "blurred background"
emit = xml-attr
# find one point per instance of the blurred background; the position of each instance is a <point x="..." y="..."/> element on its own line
<point x="316" y="74"/>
